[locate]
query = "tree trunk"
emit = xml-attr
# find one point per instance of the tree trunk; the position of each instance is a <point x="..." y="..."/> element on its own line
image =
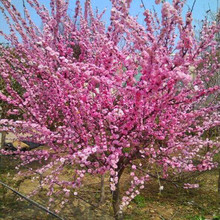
<point x="2" y="139"/>
<point x="219" y="180"/>
<point x="116" y="194"/>
<point x="3" y="136"/>
<point x="116" y="202"/>
<point x="102" y="193"/>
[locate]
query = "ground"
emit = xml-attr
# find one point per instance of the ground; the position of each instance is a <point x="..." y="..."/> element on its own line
<point x="173" y="203"/>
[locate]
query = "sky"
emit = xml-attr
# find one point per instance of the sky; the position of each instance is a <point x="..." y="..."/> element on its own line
<point x="199" y="11"/>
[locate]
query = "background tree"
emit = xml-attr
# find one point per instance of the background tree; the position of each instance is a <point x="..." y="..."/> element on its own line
<point x="210" y="60"/>
<point x="8" y="111"/>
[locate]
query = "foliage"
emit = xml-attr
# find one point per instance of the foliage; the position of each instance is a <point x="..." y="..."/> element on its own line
<point x="198" y="217"/>
<point x="82" y="99"/>
<point x="140" y="201"/>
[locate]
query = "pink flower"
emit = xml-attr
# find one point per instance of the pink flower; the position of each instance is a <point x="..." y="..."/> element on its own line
<point x="157" y="1"/>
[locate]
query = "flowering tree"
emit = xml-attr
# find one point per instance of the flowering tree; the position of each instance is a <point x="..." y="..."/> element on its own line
<point x="83" y="100"/>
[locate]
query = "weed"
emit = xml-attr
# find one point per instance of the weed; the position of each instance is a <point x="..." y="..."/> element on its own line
<point x="140" y="201"/>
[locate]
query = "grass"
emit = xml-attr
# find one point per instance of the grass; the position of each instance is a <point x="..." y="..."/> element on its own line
<point x="173" y="203"/>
